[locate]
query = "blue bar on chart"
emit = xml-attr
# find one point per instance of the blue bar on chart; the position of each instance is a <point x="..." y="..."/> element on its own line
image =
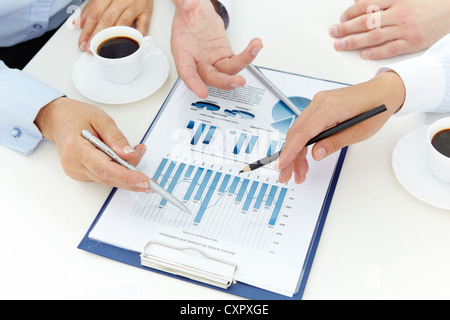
<point x="234" y="185"/>
<point x="224" y="184"/>
<point x="193" y="184"/>
<point x="271" y="196"/>
<point x="240" y="143"/>
<point x="167" y="174"/>
<point x="189" y="171"/>
<point x="277" y="209"/>
<point x="250" y="196"/>
<point x="198" y="134"/>
<point x="260" y="197"/>
<point x="272" y="147"/>
<point x="160" y="169"/>
<point x="242" y="189"/>
<point x="203" y="184"/>
<point x="251" y="144"/>
<point x="209" y="135"/>
<point x="191" y="125"/>
<point x="174" y="182"/>
<point x="209" y="194"/>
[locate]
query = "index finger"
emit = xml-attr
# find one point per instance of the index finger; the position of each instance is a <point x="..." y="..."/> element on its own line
<point x="105" y="171"/>
<point x="239" y="62"/>
<point x="362" y="7"/>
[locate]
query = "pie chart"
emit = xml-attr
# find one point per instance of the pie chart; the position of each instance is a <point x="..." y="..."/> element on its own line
<point x="283" y="117"/>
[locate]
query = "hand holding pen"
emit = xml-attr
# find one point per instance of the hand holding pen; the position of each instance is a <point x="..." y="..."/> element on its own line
<point x="329" y="108"/>
<point x="100" y="145"/>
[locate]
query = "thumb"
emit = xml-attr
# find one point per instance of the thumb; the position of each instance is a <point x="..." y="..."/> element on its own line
<point x="114" y="138"/>
<point x="328" y="146"/>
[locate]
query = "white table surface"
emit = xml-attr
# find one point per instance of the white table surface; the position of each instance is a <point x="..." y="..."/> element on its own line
<point x="379" y="242"/>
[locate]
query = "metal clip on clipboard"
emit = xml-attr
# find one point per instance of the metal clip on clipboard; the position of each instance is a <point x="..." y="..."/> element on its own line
<point x="181" y="269"/>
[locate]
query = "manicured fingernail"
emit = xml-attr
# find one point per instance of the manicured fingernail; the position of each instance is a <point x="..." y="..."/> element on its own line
<point x="340" y="44"/>
<point x="143" y="185"/>
<point x="365" y="54"/>
<point x="320" y="154"/>
<point x="333" y="31"/>
<point x="255" y="51"/>
<point x="128" y="149"/>
<point x="276" y="164"/>
<point x="235" y="85"/>
<point x="83" y="46"/>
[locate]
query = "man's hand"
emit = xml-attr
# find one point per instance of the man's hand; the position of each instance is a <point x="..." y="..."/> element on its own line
<point x="63" y="120"/>
<point x="202" y="51"/>
<point x="399" y="27"/>
<point x="329" y="108"/>
<point x="102" y="14"/>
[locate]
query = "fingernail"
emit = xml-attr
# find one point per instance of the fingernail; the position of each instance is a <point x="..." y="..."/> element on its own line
<point x="77" y="23"/>
<point x="83" y="46"/>
<point x="255" y="51"/>
<point x="343" y="18"/>
<point x="235" y="85"/>
<point x="320" y="154"/>
<point x="296" y="177"/>
<point x="276" y="164"/>
<point x="128" y="149"/>
<point x="143" y="185"/>
<point x="365" y="54"/>
<point x="333" y="31"/>
<point x="340" y="44"/>
<point x="186" y="4"/>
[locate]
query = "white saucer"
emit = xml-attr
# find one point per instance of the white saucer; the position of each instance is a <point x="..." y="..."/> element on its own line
<point x="409" y="162"/>
<point x="91" y="84"/>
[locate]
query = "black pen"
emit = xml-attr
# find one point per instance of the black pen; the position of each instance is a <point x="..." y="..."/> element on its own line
<point x="325" y="134"/>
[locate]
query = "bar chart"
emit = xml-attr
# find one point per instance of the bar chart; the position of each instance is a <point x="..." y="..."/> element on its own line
<point x="237" y="145"/>
<point x="224" y="206"/>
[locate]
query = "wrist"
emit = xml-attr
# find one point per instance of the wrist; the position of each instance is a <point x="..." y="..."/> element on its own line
<point x="392" y="90"/>
<point x="44" y="119"/>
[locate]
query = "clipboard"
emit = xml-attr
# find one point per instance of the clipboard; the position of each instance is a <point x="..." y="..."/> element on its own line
<point x="156" y="262"/>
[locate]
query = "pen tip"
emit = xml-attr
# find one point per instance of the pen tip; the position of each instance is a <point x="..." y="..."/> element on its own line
<point x="241" y="171"/>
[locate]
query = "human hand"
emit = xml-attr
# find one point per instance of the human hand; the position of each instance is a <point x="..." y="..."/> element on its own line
<point x="63" y="120"/>
<point x="398" y="27"/>
<point x="102" y="14"/>
<point x="202" y="51"/>
<point x="329" y="108"/>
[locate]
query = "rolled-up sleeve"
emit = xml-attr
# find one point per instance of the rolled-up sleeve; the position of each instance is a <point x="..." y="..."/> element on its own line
<point x="21" y="98"/>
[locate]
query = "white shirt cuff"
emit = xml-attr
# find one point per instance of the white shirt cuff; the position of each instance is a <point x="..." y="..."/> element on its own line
<point x="424" y="80"/>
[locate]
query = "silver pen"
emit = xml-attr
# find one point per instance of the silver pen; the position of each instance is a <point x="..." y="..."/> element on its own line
<point x="153" y="185"/>
<point x="255" y="70"/>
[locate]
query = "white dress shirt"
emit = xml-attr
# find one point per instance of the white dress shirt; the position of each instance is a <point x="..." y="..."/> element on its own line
<point x="426" y="79"/>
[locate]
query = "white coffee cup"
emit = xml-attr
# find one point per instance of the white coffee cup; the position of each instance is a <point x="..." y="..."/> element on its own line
<point x="439" y="164"/>
<point x="122" y="70"/>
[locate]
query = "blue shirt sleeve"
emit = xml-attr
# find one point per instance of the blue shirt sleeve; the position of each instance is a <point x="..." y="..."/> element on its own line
<point x="21" y="98"/>
<point x="28" y="19"/>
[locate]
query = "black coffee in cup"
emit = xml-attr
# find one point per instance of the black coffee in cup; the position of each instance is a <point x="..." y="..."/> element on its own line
<point x="441" y="142"/>
<point x="117" y="47"/>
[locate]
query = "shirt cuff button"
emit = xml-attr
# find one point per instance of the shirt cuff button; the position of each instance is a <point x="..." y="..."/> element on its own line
<point x="16" y="132"/>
